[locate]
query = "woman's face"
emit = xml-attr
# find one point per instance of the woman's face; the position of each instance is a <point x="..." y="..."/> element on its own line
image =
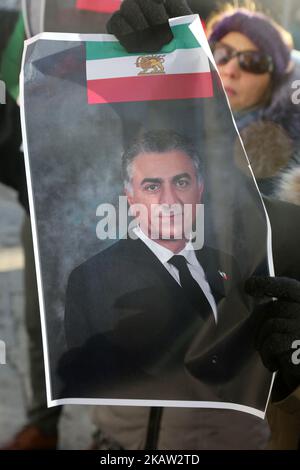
<point x="245" y="90"/>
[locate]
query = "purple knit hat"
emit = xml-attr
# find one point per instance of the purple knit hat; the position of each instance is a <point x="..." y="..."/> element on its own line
<point x="261" y="31"/>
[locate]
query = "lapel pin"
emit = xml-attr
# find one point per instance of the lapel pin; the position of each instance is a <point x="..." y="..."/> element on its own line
<point x="223" y="275"/>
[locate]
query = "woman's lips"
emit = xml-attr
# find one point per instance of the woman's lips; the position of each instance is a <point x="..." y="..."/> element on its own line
<point x="230" y="91"/>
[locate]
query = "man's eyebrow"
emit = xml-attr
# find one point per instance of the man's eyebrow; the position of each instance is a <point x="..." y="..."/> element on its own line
<point x="182" y="175"/>
<point x="151" y="180"/>
<point x="159" y="180"/>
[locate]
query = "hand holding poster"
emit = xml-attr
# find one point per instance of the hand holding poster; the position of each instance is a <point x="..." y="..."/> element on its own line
<point x="143" y="225"/>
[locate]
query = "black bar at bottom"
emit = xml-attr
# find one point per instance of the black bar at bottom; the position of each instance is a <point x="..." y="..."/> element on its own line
<point x="133" y="459"/>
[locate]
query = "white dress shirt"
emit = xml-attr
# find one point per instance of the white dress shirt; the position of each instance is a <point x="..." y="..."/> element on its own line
<point x="195" y="268"/>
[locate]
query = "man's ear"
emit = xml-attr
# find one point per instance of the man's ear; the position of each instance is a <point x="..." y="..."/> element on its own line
<point x="200" y="190"/>
<point x="129" y="196"/>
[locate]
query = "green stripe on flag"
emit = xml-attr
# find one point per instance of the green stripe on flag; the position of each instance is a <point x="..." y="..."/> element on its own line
<point x="183" y="39"/>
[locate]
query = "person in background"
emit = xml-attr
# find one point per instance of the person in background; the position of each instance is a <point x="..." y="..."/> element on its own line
<point x="269" y="123"/>
<point x="253" y="56"/>
<point x="41" y="431"/>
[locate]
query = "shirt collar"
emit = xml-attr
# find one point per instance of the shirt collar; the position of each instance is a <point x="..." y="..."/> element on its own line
<point x="164" y="254"/>
<point x="189" y="253"/>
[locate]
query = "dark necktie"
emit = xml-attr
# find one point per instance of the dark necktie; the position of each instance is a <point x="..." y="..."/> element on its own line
<point x="191" y="288"/>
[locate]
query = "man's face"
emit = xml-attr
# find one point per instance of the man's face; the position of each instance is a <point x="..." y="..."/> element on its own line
<point x="165" y="183"/>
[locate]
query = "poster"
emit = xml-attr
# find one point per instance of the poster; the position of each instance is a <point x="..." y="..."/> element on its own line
<point x="147" y="222"/>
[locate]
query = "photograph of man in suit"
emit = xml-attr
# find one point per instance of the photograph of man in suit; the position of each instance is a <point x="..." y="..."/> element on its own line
<point x="151" y="317"/>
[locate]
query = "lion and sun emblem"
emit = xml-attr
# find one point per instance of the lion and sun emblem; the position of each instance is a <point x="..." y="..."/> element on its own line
<point x="151" y="65"/>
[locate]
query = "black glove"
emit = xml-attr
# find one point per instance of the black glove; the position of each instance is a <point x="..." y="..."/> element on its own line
<point x="277" y="326"/>
<point x="142" y="25"/>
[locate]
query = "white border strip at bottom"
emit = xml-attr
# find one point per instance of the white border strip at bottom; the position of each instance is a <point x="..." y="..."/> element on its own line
<point x="159" y="403"/>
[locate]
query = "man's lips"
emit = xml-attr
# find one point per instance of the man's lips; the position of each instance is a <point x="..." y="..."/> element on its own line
<point x="170" y="216"/>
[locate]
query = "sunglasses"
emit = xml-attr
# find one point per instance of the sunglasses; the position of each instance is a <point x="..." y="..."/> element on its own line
<point x="254" y="62"/>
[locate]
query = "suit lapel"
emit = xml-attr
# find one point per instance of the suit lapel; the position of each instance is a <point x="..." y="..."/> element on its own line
<point x="210" y="262"/>
<point x="141" y="253"/>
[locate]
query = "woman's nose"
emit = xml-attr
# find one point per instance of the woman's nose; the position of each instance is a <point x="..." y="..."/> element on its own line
<point x="231" y="69"/>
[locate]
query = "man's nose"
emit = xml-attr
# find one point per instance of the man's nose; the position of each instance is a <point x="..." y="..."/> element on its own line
<point x="231" y="69"/>
<point x="168" y="195"/>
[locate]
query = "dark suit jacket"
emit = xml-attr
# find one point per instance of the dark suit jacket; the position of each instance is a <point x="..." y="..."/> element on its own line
<point x="132" y="333"/>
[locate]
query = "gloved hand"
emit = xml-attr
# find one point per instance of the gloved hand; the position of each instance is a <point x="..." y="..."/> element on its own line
<point x="277" y="325"/>
<point x="142" y="25"/>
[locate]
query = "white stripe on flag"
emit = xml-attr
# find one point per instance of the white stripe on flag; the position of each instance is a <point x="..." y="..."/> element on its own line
<point x="180" y="61"/>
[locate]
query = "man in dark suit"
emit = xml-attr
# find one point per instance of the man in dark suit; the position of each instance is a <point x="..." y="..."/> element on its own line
<point x="154" y="317"/>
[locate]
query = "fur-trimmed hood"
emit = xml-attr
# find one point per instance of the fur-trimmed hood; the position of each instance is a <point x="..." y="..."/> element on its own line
<point x="282" y="110"/>
<point x="288" y="188"/>
<point x="286" y="114"/>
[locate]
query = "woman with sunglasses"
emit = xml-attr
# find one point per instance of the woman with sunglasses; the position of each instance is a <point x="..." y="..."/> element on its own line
<point x="253" y="56"/>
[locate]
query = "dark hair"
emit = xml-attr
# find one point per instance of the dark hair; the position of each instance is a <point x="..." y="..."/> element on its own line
<point x="159" y="141"/>
<point x="267" y="35"/>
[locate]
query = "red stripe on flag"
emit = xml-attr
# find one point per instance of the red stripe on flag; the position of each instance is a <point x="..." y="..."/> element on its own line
<point x="101" y="6"/>
<point x="150" y="88"/>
